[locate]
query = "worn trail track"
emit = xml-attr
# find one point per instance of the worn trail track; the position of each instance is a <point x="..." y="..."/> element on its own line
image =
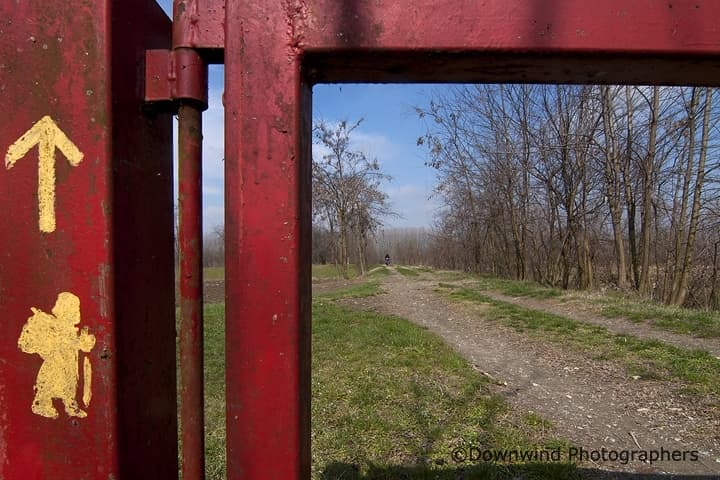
<point x="594" y="404"/>
<point x="575" y="309"/>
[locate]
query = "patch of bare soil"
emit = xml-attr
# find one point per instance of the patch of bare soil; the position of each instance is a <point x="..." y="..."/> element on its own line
<point x="330" y="285"/>
<point x="594" y="404"/>
<point x="214" y="291"/>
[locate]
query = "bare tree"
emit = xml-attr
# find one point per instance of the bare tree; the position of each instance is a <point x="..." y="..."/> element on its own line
<point x="214" y="247"/>
<point x="613" y="176"/>
<point x="346" y="191"/>
<point x="579" y="185"/>
<point x="681" y="278"/>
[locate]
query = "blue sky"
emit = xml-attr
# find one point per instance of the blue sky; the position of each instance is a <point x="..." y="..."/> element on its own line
<point x="389" y="133"/>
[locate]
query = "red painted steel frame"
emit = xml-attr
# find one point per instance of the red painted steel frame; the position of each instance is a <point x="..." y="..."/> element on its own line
<point x="199" y="24"/>
<point x="190" y="334"/>
<point x="275" y="51"/>
<point x="112" y="246"/>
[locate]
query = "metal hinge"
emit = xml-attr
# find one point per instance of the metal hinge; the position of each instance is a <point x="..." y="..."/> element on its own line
<point x="176" y="76"/>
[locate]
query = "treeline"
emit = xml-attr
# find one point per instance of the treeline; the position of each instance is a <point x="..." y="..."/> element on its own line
<point x="214" y="247"/>
<point x="578" y="186"/>
<point x="406" y="246"/>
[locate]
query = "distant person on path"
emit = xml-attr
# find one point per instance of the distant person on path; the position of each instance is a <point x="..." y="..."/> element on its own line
<point x="387" y="259"/>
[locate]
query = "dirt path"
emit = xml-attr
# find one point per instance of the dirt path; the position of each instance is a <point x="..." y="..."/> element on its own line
<point x="592" y="403"/>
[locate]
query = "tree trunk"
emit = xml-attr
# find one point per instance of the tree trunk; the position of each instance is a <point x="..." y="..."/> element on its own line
<point x="681" y="294"/>
<point x="612" y="186"/>
<point x="678" y="266"/>
<point x="630" y="202"/>
<point x="714" y="279"/>
<point x="343" y="246"/>
<point x="648" y="179"/>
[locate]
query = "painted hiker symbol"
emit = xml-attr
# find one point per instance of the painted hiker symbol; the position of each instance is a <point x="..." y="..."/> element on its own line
<point x="55" y="337"/>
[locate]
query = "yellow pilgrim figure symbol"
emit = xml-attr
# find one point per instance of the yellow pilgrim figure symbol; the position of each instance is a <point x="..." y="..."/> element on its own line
<point x="58" y="341"/>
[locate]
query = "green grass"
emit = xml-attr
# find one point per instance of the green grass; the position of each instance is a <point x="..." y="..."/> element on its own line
<point x="214" y="273"/>
<point x="649" y="359"/>
<point x="517" y="288"/>
<point x="512" y="288"/>
<point x="378" y="272"/>
<point x="424" y="269"/>
<point x="360" y="290"/>
<point x="215" y="391"/>
<point x="391" y="401"/>
<point x="452" y="275"/>
<point x="407" y="272"/>
<point x="330" y="271"/>
<point x="700" y="323"/>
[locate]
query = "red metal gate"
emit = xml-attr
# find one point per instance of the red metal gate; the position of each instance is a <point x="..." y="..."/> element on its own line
<point x="275" y="51"/>
<point x="103" y="250"/>
<point x="87" y="363"/>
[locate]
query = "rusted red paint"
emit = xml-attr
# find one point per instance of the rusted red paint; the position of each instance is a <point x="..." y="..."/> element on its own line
<point x="176" y="75"/>
<point x="159" y="77"/>
<point x="267" y="252"/>
<point x="276" y="50"/>
<point x="199" y="24"/>
<point x="176" y="80"/>
<point x="113" y="245"/>
<point x="112" y="248"/>
<point x="644" y="41"/>
<point x="191" y="290"/>
<point x="191" y="77"/>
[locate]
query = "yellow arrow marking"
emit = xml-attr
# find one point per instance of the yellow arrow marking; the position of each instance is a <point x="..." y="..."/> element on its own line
<point x="48" y="136"/>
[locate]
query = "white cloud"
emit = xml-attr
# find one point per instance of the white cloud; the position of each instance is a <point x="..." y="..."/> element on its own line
<point x="414" y="203"/>
<point x="373" y="145"/>
<point x="410" y="199"/>
<point x="213" y="215"/>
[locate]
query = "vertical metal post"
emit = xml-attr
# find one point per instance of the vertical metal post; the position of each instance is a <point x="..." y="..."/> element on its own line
<point x="102" y="245"/>
<point x="180" y="76"/>
<point x="190" y="88"/>
<point x="267" y="256"/>
<point x="191" y="291"/>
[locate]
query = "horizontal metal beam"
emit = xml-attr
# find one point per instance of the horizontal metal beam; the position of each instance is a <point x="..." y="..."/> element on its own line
<point x="613" y="41"/>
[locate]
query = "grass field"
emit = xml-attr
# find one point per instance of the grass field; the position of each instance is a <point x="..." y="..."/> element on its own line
<point x="645" y="358"/>
<point x="701" y="323"/>
<point x="214" y="273"/>
<point x="330" y="271"/>
<point x="360" y="290"/>
<point x="215" y="391"/>
<point x="515" y="288"/>
<point x="390" y="401"/>
<point x="408" y="272"/>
